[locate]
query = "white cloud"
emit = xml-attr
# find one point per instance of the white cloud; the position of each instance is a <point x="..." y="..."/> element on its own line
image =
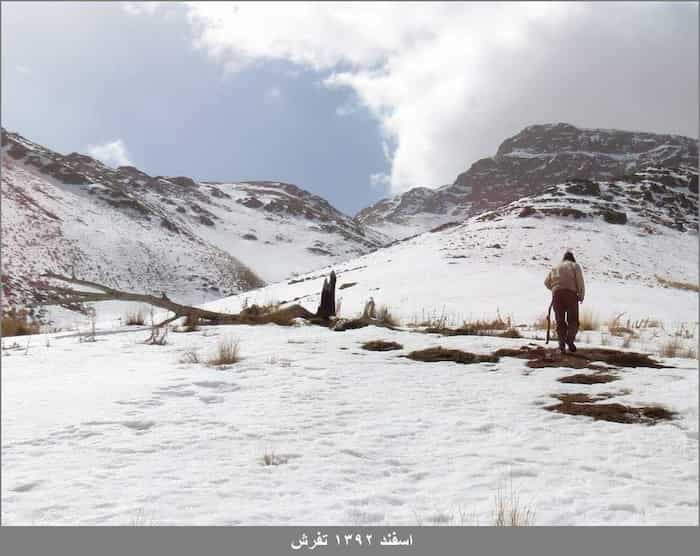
<point x="448" y="82"/>
<point x="111" y="153"/>
<point x="24" y="70"/>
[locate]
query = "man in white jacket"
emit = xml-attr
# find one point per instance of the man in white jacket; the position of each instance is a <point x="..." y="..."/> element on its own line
<point x="568" y="290"/>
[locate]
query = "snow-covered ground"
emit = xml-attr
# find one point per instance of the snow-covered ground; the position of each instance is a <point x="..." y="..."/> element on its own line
<point x="484" y="267"/>
<point x="118" y="432"/>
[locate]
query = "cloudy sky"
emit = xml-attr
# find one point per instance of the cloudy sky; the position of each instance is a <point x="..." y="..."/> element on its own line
<point x="351" y="101"/>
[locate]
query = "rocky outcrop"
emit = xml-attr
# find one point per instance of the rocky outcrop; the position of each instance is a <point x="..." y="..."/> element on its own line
<point x="538" y="156"/>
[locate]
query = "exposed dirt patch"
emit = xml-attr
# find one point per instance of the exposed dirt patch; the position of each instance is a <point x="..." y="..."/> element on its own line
<point x="618" y="358"/>
<point x="615" y="412"/>
<point x="580" y="397"/>
<point x="381" y="345"/>
<point x="597" y="378"/>
<point x="584" y="358"/>
<point x="435" y="354"/>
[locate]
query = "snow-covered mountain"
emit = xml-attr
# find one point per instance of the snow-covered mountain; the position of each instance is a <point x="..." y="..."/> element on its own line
<point x="333" y="433"/>
<point x="627" y="234"/>
<point x="195" y="240"/>
<point x="538" y="156"/>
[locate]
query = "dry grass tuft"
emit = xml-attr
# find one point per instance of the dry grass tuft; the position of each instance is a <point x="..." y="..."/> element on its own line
<point x="482" y="325"/>
<point x="435" y="354"/>
<point x="270" y="458"/>
<point x="135" y="318"/>
<point x="648" y="323"/>
<point x="384" y="315"/>
<point x="685" y="331"/>
<point x="17" y="323"/>
<point x="381" y="345"/>
<point x="588" y="320"/>
<point x="509" y="512"/>
<point x="541" y="323"/>
<point x="617" y="328"/>
<point x="671" y="348"/>
<point x="498" y="327"/>
<point x="690" y="353"/>
<point x="434" y="320"/>
<point x="674" y="347"/>
<point x="190" y="357"/>
<point x="678" y="284"/>
<point x="227" y="353"/>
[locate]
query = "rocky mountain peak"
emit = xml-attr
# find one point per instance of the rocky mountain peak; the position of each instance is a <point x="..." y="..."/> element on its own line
<point x="538" y="156"/>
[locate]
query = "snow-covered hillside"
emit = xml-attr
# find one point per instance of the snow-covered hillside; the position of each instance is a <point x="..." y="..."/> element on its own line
<point x="626" y="234"/>
<point x="538" y="156"/>
<point x="309" y="428"/>
<point x="194" y="240"/>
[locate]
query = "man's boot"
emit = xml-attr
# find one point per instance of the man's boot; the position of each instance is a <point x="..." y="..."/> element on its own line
<point x="572" y="346"/>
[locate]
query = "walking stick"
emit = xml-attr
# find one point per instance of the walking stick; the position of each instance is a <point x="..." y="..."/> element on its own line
<point x="549" y="315"/>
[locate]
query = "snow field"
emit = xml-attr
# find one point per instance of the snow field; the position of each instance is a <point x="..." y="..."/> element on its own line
<point x="118" y="432"/>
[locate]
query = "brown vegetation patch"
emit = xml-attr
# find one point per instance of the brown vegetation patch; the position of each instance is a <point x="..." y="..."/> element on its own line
<point x="381" y="345"/>
<point x="615" y="412"/>
<point x="17" y="323"/>
<point x="618" y="358"/>
<point x="585" y="358"/>
<point x="581" y="397"/>
<point x="435" y="354"/>
<point x="588" y="320"/>
<point x="677" y="284"/>
<point x="497" y="327"/>
<point x="617" y="328"/>
<point x="598" y="378"/>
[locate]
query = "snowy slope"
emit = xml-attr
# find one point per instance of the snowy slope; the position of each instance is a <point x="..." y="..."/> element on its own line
<point x="497" y="261"/>
<point x="47" y="225"/>
<point x="538" y="156"/>
<point x="195" y="240"/>
<point x="119" y="432"/>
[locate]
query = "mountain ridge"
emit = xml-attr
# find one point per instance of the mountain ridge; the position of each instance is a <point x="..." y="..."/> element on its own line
<point x="194" y="239"/>
<point x="537" y="156"/>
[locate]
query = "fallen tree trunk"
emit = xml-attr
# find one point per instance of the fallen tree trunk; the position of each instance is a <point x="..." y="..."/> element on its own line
<point x="59" y="295"/>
